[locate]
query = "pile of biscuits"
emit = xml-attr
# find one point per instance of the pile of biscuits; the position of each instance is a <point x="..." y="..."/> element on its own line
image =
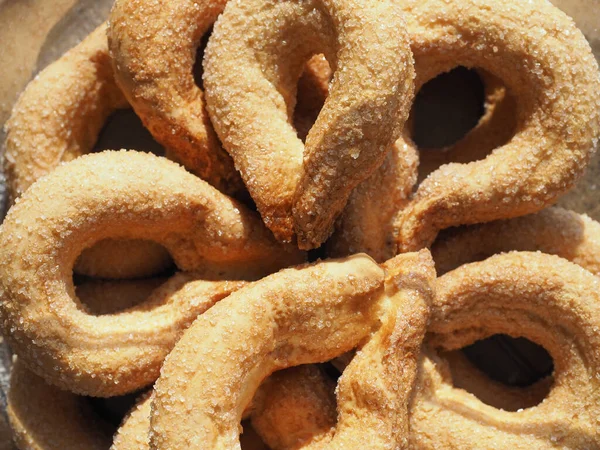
<point x="290" y="270"/>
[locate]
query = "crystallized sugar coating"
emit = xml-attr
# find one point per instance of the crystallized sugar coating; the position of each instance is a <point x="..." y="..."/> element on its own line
<point x="214" y="239"/>
<point x="301" y="316"/>
<point x="153" y="45"/>
<point x="366" y="224"/>
<point x="556" y="231"/>
<point x="252" y="64"/>
<point x="57" y="119"/>
<point x="547" y="65"/>
<point x="299" y="410"/>
<point x="294" y="407"/>
<point x="585" y="14"/>
<point x="133" y="434"/>
<point x="61" y="112"/>
<point x="540" y="297"/>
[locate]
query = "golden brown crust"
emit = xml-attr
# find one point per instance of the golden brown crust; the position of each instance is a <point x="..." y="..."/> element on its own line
<point x="133" y="432"/>
<point x="366" y="223"/>
<point x="553" y="231"/>
<point x="295" y="407"/>
<point x="294" y="317"/>
<point x="57" y="119"/>
<point x="546" y="63"/>
<point x="300" y="189"/>
<point x="540" y="297"/>
<point x="556" y="231"/>
<point x="327" y="309"/>
<point x="460" y="193"/>
<point x="61" y="112"/>
<point x="214" y="239"/>
<point x="153" y="45"/>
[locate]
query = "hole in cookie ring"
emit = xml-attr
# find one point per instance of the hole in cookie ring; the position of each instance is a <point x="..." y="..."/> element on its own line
<point x="502" y="378"/>
<point x="124" y="129"/>
<point x="197" y="69"/>
<point x="72" y="108"/>
<point x="123" y="259"/>
<point x="446" y="108"/>
<point x="461" y="116"/>
<point x="520" y="362"/>
<point x="312" y="91"/>
<point x="509" y="170"/>
<point x="215" y="242"/>
<point x="101" y="297"/>
<point x="539" y="297"/>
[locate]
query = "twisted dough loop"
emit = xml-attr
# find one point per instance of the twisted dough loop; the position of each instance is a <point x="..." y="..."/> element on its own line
<point x="367" y="223"/>
<point x="325" y="310"/>
<point x="447" y="198"/>
<point x="58" y="118"/>
<point x="302" y="188"/>
<point x="121" y="194"/>
<point x="546" y="63"/>
<point x="153" y="45"/>
<point x="555" y="231"/>
<point x="543" y="298"/>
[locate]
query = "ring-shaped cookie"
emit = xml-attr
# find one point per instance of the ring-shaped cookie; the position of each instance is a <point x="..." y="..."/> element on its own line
<point x="212" y="238"/>
<point x="547" y="65"/>
<point x="153" y="48"/>
<point x="252" y="64"/>
<point x="541" y="297"/>
<point x="294" y="317"/>
<point x="554" y="231"/>
<point x="58" y="118"/>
